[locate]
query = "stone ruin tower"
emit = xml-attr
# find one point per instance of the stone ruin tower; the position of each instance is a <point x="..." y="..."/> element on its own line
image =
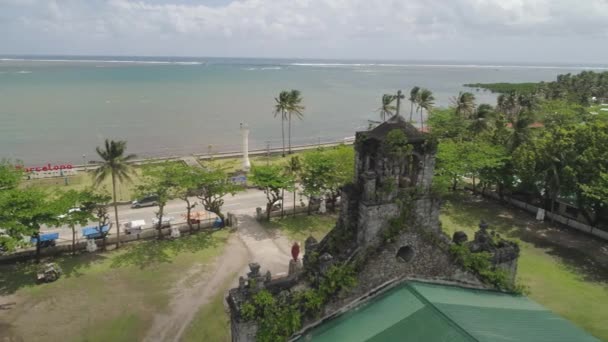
<point x="388" y="229"/>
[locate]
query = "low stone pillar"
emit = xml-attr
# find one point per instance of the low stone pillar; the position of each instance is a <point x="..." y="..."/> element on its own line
<point x="258" y="213"/>
<point x="175" y="233"/>
<point x="91" y="246"/>
<point x="322" y="206"/>
<point x="295" y="268"/>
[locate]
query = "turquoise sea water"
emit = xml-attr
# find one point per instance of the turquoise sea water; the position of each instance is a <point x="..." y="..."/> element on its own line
<point x="55" y="109"/>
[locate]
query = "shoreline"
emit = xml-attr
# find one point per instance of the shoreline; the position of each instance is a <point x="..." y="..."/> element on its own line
<point x="224" y="155"/>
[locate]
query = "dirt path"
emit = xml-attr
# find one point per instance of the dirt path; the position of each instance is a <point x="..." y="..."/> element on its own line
<point x="196" y="289"/>
<point x="251" y="243"/>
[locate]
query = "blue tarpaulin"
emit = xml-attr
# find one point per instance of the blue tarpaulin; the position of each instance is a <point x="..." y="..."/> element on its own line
<point x="93" y="232"/>
<point x="46" y="237"/>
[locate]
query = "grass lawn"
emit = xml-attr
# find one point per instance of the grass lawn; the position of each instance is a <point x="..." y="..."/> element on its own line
<point x="82" y="180"/>
<point x="563" y="270"/>
<point x="300" y="227"/>
<point x="109" y="296"/>
<point x="212" y="322"/>
<point x="235" y="164"/>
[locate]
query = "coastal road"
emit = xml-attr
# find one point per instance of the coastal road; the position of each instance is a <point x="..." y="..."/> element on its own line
<point x="243" y="202"/>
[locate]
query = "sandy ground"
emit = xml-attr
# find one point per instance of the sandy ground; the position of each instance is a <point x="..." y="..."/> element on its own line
<point x="251" y="243"/>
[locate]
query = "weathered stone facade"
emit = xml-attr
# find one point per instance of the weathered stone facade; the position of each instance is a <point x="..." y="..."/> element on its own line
<point x="388" y="227"/>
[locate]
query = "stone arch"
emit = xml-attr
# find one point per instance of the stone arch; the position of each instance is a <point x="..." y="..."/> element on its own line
<point x="405" y="254"/>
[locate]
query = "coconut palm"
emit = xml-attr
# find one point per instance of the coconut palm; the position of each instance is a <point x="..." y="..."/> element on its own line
<point x="115" y="165"/>
<point x="295" y="108"/>
<point x="387" y="108"/>
<point x="281" y="107"/>
<point x="414" y="93"/>
<point x="482" y="118"/>
<point x="426" y="100"/>
<point x="464" y="104"/>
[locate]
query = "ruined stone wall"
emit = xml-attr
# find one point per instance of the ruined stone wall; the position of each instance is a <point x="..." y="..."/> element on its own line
<point x="411" y="255"/>
<point x="372" y="219"/>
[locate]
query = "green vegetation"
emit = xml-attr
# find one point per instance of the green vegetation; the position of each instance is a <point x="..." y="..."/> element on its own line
<point x="556" y="274"/>
<point x="273" y="180"/>
<point x="540" y="146"/>
<point x="298" y="228"/>
<point x="279" y="317"/>
<point x="120" y="291"/>
<point x="505" y="88"/>
<point x="584" y="88"/>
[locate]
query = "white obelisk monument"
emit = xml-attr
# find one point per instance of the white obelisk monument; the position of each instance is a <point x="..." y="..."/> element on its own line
<point x="245" y="134"/>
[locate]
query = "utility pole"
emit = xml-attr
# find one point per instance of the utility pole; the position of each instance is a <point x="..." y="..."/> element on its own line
<point x="399" y="97"/>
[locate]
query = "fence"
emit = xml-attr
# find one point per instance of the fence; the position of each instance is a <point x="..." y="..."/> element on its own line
<point x="66" y="245"/>
<point x="555" y="217"/>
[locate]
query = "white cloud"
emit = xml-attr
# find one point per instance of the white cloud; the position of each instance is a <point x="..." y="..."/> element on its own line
<point x="291" y="24"/>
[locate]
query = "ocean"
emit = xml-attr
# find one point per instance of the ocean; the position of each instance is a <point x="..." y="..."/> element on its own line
<point x="57" y="109"/>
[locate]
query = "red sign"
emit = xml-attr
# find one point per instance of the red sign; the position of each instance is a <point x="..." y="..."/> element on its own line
<point x="47" y="167"/>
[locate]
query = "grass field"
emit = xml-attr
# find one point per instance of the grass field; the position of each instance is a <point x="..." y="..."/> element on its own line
<point x="109" y="296"/>
<point x="298" y="228"/>
<point x="82" y="180"/>
<point x="562" y="269"/>
<point x="212" y="322"/>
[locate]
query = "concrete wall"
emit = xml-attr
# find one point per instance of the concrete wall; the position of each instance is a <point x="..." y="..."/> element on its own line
<point x="427" y="262"/>
<point x="373" y="219"/>
<point x="569" y="222"/>
<point x="66" y="247"/>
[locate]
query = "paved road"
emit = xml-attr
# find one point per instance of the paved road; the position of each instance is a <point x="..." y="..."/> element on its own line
<point x="243" y="202"/>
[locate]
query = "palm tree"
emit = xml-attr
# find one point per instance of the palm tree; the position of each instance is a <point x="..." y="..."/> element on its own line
<point x="387" y="108"/>
<point x="464" y="104"/>
<point x="482" y="118"/>
<point x="295" y="108"/>
<point x="414" y="94"/>
<point x="115" y="164"/>
<point x="426" y="100"/>
<point x="282" y="107"/>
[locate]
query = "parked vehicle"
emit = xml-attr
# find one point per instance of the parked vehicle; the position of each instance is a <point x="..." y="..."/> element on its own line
<point x="148" y="201"/>
<point x="69" y="212"/>
<point x="134" y="226"/>
<point x="46" y="240"/>
<point x="166" y="221"/>
<point x="93" y="232"/>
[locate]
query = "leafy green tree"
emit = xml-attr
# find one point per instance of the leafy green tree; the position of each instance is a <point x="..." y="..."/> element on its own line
<point x="212" y="186"/>
<point x="281" y="107"/>
<point x="468" y="158"/>
<point x="447" y="125"/>
<point x="293" y="169"/>
<point x="589" y="169"/>
<point x="115" y="165"/>
<point x="325" y="172"/>
<point x="295" y="108"/>
<point x="186" y="184"/>
<point x="272" y="180"/>
<point x="101" y="212"/>
<point x="23" y="212"/>
<point x="78" y="208"/>
<point x="387" y="108"/>
<point x="158" y="181"/>
<point x="10" y="175"/>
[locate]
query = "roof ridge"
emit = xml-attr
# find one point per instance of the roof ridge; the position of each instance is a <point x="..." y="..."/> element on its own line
<point x="423" y="299"/>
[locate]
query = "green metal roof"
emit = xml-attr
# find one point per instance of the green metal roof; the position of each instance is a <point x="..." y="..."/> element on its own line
<point x="418" y="311"/>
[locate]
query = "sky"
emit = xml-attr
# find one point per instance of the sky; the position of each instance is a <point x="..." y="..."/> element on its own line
<point x="559" y="31"/>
